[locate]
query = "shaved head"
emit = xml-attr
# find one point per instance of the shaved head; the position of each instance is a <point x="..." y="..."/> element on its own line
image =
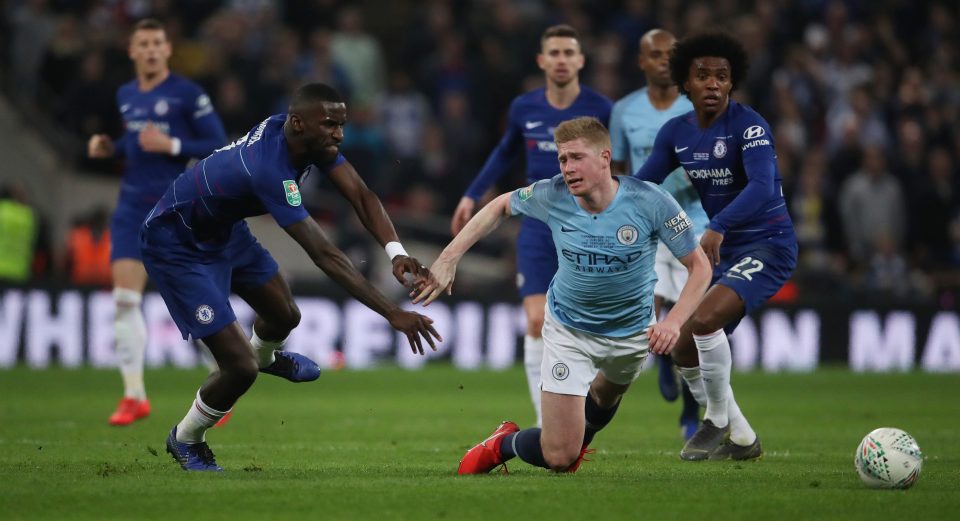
<point x="654" y="57"/>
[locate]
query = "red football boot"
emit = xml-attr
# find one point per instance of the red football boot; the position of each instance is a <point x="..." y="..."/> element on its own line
<point x="485" y="456"/>
<point x="129" y="410"/>
<point x="580" y="459"/>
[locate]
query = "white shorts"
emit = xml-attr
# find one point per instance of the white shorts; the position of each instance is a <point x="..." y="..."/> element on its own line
<point x="571" y="358"/>
<point x="671" y="274"/>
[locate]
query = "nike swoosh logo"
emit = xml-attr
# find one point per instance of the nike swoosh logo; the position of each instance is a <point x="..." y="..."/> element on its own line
<point x="678" y="150"/>
<point x="565" y="229"/>
<point x="533" y="124"/>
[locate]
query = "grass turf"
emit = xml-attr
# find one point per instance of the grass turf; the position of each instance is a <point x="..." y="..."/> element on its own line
<point x="384" y="445"/>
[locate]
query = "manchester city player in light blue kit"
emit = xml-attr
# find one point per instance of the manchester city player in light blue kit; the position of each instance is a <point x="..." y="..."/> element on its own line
<point x="727" y="151"/>
<point x="198" y="249"/>
<point x="531" y="120"/>
<point x="169" y="120"/>
<point x="599" y="322"/>
<point x="634" y="124"/>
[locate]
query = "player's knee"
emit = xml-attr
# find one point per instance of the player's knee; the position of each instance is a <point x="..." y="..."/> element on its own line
<point x="560" y="458"/>
<point x="705" y="322"/>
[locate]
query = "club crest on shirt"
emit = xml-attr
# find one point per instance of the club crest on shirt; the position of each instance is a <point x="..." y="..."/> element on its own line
<point x="525" y="193"/>
<point x="204" y="314"/>
<point x="292" y="192"/>
<point x="161" y="107"/>
<point x="627" y="234"/>
<point x="719" y="149"/>
<point x="560" y="371"/>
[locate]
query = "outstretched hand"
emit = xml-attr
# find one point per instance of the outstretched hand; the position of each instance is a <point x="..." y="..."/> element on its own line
<point x="402" y="265"/>
<point x="662" y="337"/>
<point x="441" y="279"/>
<point x="415" y="325"/>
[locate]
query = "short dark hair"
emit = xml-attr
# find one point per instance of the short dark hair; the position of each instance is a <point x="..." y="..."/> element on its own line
<point x="562" y="31"/>
<point x="314" y="93"/>
<point x="148" y="24"/>
<point x="721" y="45"/>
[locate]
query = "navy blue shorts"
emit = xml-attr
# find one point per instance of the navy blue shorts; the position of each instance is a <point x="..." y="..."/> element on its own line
<point x="536" y="257"/>
<point x="755" y="272"/>
<point x="196" y="284"/>
<point x="125" y="231"/>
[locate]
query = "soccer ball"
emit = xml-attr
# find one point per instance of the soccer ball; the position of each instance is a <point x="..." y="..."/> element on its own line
<point x="888" y="458"/>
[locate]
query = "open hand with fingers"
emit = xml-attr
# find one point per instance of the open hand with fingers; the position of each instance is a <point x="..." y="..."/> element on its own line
<point x="441" y="279"/>
<point x="663" y="336"/>
<point x="415" y="325"/>
<point x="402" y="265"/>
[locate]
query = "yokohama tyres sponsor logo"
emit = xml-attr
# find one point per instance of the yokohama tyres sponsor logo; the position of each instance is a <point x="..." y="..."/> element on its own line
<point x="708" y="173"/>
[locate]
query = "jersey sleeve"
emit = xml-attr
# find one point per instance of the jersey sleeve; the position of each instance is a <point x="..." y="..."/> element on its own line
<point x="662" y="158"/>
<point x="208" y="132"/>
<point x="280" y="196"/>
<point x="759" y="165"/>
<point x="674" y="228"/>
<point x="618" y="136"/>
<point x="534" y="200"/>
<point x="502" y="156"/>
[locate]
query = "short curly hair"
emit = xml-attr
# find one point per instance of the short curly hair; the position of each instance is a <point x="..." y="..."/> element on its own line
<point x="721" y="45"/>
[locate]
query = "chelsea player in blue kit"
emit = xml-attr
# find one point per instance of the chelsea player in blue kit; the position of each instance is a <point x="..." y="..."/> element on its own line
<point x="634" y="124"/>
<point x="599" y="324"/>
<point x="169" y="120"/>
<point x="197" y="248"/>
<point x="531" y="120"/>
<point x="727" y="151"/>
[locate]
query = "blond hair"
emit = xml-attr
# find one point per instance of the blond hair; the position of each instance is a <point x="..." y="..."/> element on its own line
<point x="589" y="129"/>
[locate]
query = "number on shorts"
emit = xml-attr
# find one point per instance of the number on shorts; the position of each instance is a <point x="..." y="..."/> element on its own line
<point x="746" y="268"/>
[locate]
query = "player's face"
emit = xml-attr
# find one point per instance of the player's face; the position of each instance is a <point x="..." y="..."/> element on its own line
<point x="655" y="59"/>
<point x="709" y="84"/>
<point x="584" y="166"/>
<point x="149" y="50"/>
<point x="560" y="59"/>
<point x="321" y="126"/>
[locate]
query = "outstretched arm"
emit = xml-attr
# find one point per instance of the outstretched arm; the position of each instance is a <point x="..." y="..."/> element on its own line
<point x="374" y="218"/>
<point x="334" y="263"/>
<point x="663" y="336"/>
<point x="445" y="267"/>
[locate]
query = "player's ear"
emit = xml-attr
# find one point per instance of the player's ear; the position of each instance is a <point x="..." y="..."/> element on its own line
<point x="296" y="123"/>
<point x="540" y="58"/>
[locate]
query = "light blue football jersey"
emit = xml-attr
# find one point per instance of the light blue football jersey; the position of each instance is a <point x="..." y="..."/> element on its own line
<point x="604" y="284"/>
<point x="634" y="123"/>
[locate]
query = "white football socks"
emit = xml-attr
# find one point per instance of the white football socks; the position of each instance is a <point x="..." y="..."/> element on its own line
<point x="130" y="333"/>
<point x="715" y="365"/>
<point x="264" y="349"/>
<point x="532" y="358"/>
<point x="694" y="380"/>
<point x="199" y="418"/>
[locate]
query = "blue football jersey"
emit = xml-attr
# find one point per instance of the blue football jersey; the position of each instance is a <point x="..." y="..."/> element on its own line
<point x="634" y="123"/>
<point x="733" y="166"/>
<point x="251" y="176"/>
<point x="530" y="125"/>
<point x="180" y="109"/>
<point x="604" y="283"/>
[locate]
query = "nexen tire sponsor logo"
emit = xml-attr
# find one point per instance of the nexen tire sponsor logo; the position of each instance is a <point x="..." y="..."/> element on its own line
<point x="757" y="143"/>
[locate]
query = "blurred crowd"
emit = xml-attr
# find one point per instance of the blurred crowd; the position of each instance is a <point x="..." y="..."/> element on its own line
<point x="863" y="97"/>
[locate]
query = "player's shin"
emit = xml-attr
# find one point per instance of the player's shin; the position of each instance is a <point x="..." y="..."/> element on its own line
<point x="525" y="445"/>
<point x="715" y="365"/>
<point x="741" y="432"/>
<point x="532" y="358"/>
<point x="130" y="331"/>
<point x="596" y="418"/>
<point x="694" y="380"/>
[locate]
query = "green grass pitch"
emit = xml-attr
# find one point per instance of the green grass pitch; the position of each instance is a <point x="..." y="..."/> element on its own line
<point x="384" y="445"/>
